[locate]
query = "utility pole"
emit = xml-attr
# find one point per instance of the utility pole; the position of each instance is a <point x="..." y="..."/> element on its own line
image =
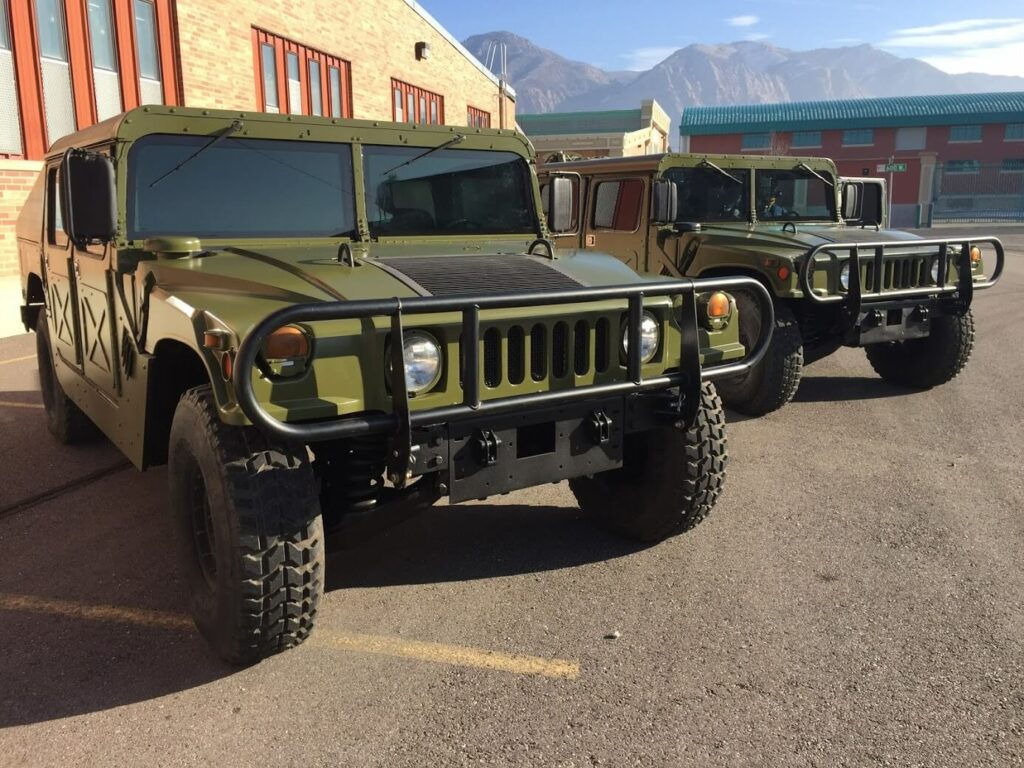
<point x="892" y="191"/>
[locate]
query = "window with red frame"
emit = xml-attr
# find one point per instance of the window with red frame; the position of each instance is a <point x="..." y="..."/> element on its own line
<point x="617" y="205"/>
<point x="299" y="80"/>
<point x="410" y="104"/>
<point x="477" y="118"/>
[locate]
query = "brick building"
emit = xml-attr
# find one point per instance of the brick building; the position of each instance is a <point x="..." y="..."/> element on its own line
<point x="612" y="133"/>
<point x="964" y="153"/>
<point x="66" y="64"/>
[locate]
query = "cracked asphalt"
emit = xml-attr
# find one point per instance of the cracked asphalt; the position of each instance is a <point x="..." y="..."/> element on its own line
<point x="855" y="599"/>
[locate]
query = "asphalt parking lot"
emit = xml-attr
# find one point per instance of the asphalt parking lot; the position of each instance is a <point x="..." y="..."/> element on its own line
<point x="856" y="599"/>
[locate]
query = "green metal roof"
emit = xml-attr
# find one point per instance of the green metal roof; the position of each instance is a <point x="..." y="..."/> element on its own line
<point x="953" y="109"/>
<point x="561" y="123"/>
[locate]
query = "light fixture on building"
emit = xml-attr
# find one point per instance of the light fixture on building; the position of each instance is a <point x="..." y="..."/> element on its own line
<point x="422" y="51"/>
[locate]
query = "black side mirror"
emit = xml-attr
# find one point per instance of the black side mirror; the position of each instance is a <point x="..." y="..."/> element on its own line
<point x="664" y="201"/>
<point x="851" y="201"/>
<point x="560" y="204"/>
<point x="88" y="197"/>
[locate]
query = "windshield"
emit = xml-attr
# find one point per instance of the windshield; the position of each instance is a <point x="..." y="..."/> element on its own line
<point x="447" y="192"/>
<point x="706" y="194"/>
<point x="795" y="195"/>
<point x="239" y="187"/>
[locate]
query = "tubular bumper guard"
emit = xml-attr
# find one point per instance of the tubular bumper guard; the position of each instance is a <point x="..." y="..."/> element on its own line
<point x="961" y="291"/>
<point x="401" y="421"/>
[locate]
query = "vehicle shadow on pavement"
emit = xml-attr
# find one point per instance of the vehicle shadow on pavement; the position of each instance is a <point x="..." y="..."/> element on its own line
<point x="93" y="612"/>
<point x="469" y="541"/>
<point x="827" y="389"/>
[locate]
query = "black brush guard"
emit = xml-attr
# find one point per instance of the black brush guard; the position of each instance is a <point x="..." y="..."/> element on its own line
<point x="401" y="420"/>
<point x="960" y="292"/>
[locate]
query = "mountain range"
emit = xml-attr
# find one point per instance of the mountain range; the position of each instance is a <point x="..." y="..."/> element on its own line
<point x="729" y="73"/>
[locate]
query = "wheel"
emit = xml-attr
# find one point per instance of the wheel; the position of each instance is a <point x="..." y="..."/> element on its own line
<point x="250" y="534"/>
<point x="928" y="362"/>
<point x="771" y="383"/>
<point x="669" y="481"/>
<point x="64" y="419"/>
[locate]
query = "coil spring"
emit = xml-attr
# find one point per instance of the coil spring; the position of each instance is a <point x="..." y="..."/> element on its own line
<point x="352" y="473"/>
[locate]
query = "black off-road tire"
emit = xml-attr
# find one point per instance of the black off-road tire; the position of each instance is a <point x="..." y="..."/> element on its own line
<point x="250" y="534"/>
<point x="669" y="481"/>
<point x="928" y="362"/>
<point x="64" y="419"/>
<point x="773" y="382"/>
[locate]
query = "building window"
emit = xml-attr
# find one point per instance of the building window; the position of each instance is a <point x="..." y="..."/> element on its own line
<point x="756" y="141"/>
<point x="477" y="118"/>
<point x="10" y="124"/>
<point x="58" y="101"/>
<point x="806" y="139"/>
<point x="963" y="166"/>
<point x="105" y="78"/>
<point x="323" y="86"/>
<point x="1014" y="132"/>
<point x="964" y="133"/>
<point x="617" y="205"/>
<point x="911" y="138"/>
<point x="1012" y="165"/>
<point x="859" y="137"/>
<point x="151" y="88"/>
<point x="421" y="105"/>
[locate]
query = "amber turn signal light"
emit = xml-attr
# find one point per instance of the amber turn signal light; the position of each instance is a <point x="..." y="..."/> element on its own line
<point x="975" y="254"/>
<point x="783" y="273"/>
<point x="287" y="343"/>
<point x="718" y="305"/>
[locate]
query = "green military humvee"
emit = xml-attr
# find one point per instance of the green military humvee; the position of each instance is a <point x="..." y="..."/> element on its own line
<point x="786" y="222"/>
<point x="309" y="318"/>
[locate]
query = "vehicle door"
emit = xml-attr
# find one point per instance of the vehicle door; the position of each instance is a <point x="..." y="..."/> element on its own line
<point x="61" y="300"/>
<point x="615" y="221"/>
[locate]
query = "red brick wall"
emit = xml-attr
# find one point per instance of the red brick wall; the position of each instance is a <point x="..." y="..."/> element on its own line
<point x="16" y="179"/>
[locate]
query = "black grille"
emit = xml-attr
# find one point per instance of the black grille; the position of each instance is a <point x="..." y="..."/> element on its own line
<point x="492" y="357"/>
<point x="581" y="347"/>
<point x="538" y="352"/>
<point x="601" y="339"/>
<point x="455" y="275"/>
<point x="560" y="350"/>
<point x="907" y="272"/>
<point x="516" y="355"/>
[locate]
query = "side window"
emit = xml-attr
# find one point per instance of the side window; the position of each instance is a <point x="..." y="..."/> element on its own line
<point x="617" y="205"/>
<point x="54" y="223"/>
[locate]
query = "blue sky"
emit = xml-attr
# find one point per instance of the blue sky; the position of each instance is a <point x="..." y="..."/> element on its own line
<point x="979" y="36"/>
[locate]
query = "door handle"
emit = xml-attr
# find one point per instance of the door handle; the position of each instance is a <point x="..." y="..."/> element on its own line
<point x="77" y="267"/>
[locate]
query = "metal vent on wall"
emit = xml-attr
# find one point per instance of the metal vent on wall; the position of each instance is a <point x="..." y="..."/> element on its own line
<point x="455" y="275"/>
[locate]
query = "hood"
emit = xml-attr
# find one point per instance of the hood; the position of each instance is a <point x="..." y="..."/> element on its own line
<point x="772" y="236"/>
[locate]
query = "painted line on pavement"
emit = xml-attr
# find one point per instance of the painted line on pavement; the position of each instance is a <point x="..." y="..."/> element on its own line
<point x="12" y="404"/>
<point x="382" y="645"/>
<point x="17" y="359"/>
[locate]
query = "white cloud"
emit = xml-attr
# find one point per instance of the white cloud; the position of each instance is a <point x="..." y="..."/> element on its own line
<point x="756" y="36"/>
<point x="642" y="59"/>
<point x="742" y="21"/>
<point x="1001" y="60"/>
<point x="955" y="26"/>
<point x="981" y="33"/>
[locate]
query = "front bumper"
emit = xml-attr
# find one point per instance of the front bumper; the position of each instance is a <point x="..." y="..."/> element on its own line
<point x="400" y="424"/>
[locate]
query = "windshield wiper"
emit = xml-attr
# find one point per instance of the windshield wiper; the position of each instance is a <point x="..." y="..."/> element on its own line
<point x="235" y="127"/>
<point x="808" y="168"/>
<point x="709" y="164"/>
<point x="452" y="141"/>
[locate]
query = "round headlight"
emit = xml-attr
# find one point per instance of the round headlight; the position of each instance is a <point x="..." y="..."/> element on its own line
<point x="935" y="271"/>
<point x="650" y="335"/>
<point x="422" y="361"/>
<point x="844" y="277"/>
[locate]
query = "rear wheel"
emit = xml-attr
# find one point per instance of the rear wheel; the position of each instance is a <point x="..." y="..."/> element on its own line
<point x="669" y="481"/>
<point x="250" y="533"/>
<point x="64" y="419"/>
<point x="928" y="362"/>
<point x="773" y="382"/>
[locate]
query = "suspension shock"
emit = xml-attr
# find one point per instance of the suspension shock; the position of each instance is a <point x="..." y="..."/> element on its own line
<point x="351" y="474"/>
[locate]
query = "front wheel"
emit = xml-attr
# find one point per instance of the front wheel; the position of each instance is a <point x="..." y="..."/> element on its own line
<point x="669" y="481"/>
<point x="250" y="533"/>
<point x="773" y="382"/>
<point x="930" y="361"/>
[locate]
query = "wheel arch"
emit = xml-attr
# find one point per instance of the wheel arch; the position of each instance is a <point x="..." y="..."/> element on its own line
<point x="174" y="368"/>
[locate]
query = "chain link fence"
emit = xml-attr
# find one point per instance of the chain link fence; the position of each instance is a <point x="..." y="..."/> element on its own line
<point x="967" y="191"/>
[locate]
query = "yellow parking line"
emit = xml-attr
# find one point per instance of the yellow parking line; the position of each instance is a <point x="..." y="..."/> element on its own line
<point x="11" y="404"/>
<point x="441" y="653"/>
<point x="17" y="359"/>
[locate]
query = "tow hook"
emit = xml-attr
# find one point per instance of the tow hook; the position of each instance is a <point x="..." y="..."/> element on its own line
<point x="487" y="443"/>
<point x="600" y="427"/>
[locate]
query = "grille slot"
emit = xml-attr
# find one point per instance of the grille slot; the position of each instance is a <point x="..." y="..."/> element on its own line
<point x="516" y="355"/>
<point x="538" y="352"/>
<point x="560" y="350"/>
<point x="601" y="339"/>
<point x="581" y="347"/>
<point x="492" y="357"/>
<point x="460" y="275"/>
